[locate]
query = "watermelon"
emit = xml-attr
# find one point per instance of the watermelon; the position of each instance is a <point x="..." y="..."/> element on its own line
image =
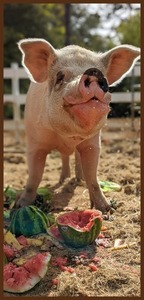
<point x="80" y="228"/>
<point x="28" y="221"/>
<point x="54" y="232"/>
<point x="10" y="193"/>
<point x="43" y="191"/>
<point x="6" y="214"/>
<point x="50" y="219"/>
<point x="23" y="278"/>
<point x="108" y="186"/>
<point x="43" y="197"/>
<point x="6" y="217"/>
<point x="9" y="251"/>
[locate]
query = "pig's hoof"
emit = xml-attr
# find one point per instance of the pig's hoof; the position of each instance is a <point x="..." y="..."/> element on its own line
<point x="103" y="207"/>
<point x="22" y="203"/>
<point x="111" y="210"/>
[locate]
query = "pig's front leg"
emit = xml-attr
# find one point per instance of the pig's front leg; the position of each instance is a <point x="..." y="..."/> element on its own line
<point x="65" y="173"/>
<point x="36" y="162"/>
<point x="78" y="166"/>
<point x="89" y="151"/>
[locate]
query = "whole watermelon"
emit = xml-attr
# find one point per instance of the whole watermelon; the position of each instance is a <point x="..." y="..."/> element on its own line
<point x="80" y="228"/>
<point x="28" y="221"/>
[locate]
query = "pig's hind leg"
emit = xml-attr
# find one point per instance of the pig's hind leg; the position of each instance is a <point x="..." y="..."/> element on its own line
<point x="36" y="162"/>
<point x="65" y="172"/>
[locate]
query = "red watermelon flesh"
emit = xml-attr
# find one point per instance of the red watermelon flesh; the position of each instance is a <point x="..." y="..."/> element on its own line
<point x="54" y="232"/>
<point x="22" y="240"/>
<point x="9" y="251"/>
<point x="23" y="278"/>
<point x="82" y="220"/>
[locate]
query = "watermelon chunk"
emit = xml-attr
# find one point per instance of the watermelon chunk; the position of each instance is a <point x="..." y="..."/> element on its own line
<point x="9" y="251"/>
<point x="108" y="186"/>
<point x="54" y="232"/>
<point x="23" y="278"/>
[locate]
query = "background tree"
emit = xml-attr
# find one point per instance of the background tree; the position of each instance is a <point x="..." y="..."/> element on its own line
<point x="21" y="21"/>
<point x="31" y="20"/>
<point x="60" y="24"/>
<point x="67" y="24"/>
<point x="129" y="30"/>
<point x="113" y="15"/>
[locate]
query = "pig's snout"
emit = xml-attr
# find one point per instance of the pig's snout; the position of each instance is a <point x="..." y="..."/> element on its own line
<point x="93" y="84"/>
<point x="98" y="75"/>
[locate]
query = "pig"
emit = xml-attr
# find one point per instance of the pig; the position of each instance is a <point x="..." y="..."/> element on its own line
<point x="66" y="107"/>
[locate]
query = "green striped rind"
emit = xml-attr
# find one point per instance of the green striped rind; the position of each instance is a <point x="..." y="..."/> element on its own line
<point x="50" y="219"/>
<point x="77" y="238"/>
<point x="45" y="193"/>
<point x="6" y="215"/>
<point x="10" y="193"/>
<point x="107" y="186"/>
<point x="28" y="221"/>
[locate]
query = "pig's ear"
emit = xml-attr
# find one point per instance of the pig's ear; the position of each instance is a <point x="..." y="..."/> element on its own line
<point x="119" y="61"/>
<point x="38" y="55"/>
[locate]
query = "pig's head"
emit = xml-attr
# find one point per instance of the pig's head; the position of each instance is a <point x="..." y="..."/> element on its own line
<point x="78" y="82"/>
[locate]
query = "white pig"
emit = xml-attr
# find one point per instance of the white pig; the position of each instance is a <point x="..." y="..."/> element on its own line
<point x="67" y="105"/>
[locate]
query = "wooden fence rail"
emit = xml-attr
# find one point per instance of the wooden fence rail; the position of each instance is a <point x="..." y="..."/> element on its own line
<point x="16" y="98"/>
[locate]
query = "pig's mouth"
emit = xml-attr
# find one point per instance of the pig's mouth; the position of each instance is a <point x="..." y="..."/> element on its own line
<point x="67" y="104"/>
<point x="94" y="98"/>
<point x="89" y="113"/>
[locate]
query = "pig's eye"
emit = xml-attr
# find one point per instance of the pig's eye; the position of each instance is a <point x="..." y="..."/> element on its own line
<point x="60" y="77"/>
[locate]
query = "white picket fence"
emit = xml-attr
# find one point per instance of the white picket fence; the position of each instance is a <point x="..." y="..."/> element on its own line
<point x="16" y="98"/>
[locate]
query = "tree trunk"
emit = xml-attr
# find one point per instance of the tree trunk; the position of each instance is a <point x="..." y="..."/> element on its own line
<point x="67" y="23"/>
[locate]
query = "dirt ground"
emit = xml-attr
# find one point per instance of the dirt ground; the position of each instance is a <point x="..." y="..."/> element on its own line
<point x="118" y="271"/>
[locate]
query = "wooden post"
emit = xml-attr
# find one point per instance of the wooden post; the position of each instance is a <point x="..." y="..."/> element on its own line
<point x="16" y="106"/>
<point x="67" y="23"/>
<point x="132" y="101"/>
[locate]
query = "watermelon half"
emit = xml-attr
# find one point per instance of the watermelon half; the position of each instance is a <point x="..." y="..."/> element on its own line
<point x="80" y="228"/>
<point x="23" y="278"/>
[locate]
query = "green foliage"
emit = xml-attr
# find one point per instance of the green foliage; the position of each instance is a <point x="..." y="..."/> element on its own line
<point x="54" y="14"/>
<point x="8" y="111"/>
<point x="48" y="21"/>
<point x="84" y="29"/>
<point x="129" y="30"/>
<point x="23" y="21"/>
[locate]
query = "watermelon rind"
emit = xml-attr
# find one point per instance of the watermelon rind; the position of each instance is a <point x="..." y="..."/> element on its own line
<point x="108" y="186"/>
<point x="6" y="215"/>
<point x="23" y="278"/>
<point x="10" y="193"/>
<point x="80" y="237"/>
<point x="43" y="191"/>
<point x="50" y="219"/>
<point x="28" y="221"/>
